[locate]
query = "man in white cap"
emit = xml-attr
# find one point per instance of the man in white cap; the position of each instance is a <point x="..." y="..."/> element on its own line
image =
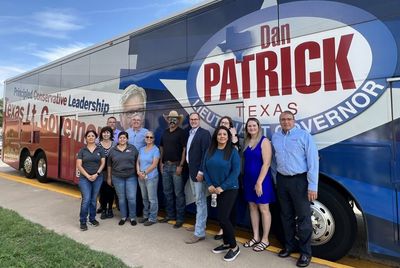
<point x="172" y="150"/>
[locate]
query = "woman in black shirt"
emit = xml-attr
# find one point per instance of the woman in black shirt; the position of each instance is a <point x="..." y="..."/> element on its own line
<point x="121" y="168"/>
<point x="90" y="163"/>
<point x="107" y="193"/>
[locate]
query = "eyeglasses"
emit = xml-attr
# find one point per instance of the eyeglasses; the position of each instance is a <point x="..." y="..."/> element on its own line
<point x="149" y="137"/>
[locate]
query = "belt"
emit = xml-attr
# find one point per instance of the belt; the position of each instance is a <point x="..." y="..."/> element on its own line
<point x="292" y="176"/>
<point x="172" y="162"/>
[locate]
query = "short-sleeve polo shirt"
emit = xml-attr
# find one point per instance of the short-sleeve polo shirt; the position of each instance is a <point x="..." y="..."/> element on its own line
<point x="91" y="161"/>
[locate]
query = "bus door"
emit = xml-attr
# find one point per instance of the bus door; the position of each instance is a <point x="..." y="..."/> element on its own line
<point x="66" y="149"/>
<point x="395" y="97"/>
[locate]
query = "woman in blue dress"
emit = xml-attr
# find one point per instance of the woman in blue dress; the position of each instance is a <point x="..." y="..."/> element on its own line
<point x="257" y="181"/>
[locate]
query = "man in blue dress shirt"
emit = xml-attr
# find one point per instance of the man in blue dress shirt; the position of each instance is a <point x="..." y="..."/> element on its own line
<point x="297" y="182"/>
<point x="137" y="132"/>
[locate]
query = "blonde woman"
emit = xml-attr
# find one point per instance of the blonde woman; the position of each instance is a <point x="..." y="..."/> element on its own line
<point x="258" y="186"/>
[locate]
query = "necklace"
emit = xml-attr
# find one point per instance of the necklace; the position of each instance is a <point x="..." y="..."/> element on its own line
<point x="106" y="144"/>
<point x="91" y="147"/>
<point x="252" y="143"/>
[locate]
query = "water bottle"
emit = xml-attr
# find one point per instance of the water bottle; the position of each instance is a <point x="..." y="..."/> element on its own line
<point x="214" y="200"/>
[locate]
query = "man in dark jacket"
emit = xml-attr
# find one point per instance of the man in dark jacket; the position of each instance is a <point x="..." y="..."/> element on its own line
<point x="197" y="146"/>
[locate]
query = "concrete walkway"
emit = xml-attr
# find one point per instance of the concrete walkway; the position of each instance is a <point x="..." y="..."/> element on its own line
<point x="138" y="246"/>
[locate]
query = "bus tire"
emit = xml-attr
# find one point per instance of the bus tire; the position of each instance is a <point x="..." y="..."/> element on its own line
<point x="28" y="165"/>
<point x="41" y="167"/>
<point x="334" y="224"/>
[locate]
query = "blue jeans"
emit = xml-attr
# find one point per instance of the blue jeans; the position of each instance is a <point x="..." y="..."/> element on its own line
<point x="148" y="188"/>
<point x="126" y="190"/>
<point x="173" y="183"/>
<point x="199" y="189"/>
<point x="89" y="190"/>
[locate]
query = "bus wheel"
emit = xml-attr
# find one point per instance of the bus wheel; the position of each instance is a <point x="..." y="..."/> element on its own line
<point x="41" y="167"/>
<point x="27" y="165"/>
<point x="334" y="224"/>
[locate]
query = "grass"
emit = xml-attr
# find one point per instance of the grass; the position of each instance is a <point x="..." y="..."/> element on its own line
<point x="25" y="244"/>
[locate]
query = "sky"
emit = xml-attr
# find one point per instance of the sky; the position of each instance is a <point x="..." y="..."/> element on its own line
<point x="36" y="32"/>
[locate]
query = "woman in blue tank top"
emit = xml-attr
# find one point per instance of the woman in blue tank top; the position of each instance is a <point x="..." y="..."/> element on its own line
<point x="257" y="182"/>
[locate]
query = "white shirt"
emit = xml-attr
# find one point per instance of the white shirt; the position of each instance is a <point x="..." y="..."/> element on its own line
<point x="192" y="132"/>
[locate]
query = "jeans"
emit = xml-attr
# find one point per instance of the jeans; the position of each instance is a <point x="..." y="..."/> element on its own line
<point x="173" y="183"/>
<point x="200" y="189"/>
<point x="89" y="190"/>
<point x="148" y="188"/>
<point x="126" y="190"/>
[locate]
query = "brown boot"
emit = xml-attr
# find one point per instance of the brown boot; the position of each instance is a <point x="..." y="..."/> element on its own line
<point x="194" y="239"/>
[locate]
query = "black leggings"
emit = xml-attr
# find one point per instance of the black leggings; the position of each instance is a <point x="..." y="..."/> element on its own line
<point x="107" y="194"/>
<point x="226" y="213"/>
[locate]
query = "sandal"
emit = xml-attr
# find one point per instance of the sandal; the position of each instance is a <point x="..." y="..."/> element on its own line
<point x="251" y="243"/>
<point x="261" y="247"/>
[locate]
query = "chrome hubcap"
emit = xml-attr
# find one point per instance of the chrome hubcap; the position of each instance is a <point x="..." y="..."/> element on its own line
<point x="42" y="167"/>
<point x="28" y="164"/>
<point x="323" y="224"/>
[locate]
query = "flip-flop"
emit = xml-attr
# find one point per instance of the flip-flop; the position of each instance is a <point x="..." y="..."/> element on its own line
<point x="261" y="246"/>
<point x="251" y="243"/>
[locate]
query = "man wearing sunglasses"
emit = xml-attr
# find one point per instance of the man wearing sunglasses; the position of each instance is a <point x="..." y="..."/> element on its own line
<point x="172" y="150"/>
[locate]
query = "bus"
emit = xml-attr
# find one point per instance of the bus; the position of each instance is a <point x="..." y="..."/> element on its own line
<point x="334" y="64"/>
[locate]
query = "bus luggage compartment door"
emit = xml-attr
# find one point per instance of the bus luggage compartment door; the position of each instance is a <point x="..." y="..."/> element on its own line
<point x="66" y="152"/>
<point x="26" y="132"/>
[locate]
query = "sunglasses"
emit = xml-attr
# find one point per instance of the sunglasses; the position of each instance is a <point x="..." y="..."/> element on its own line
<point x="149" y="137"/>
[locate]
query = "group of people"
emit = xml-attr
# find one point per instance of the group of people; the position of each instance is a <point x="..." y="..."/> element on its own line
<point x="214" y="167"/>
